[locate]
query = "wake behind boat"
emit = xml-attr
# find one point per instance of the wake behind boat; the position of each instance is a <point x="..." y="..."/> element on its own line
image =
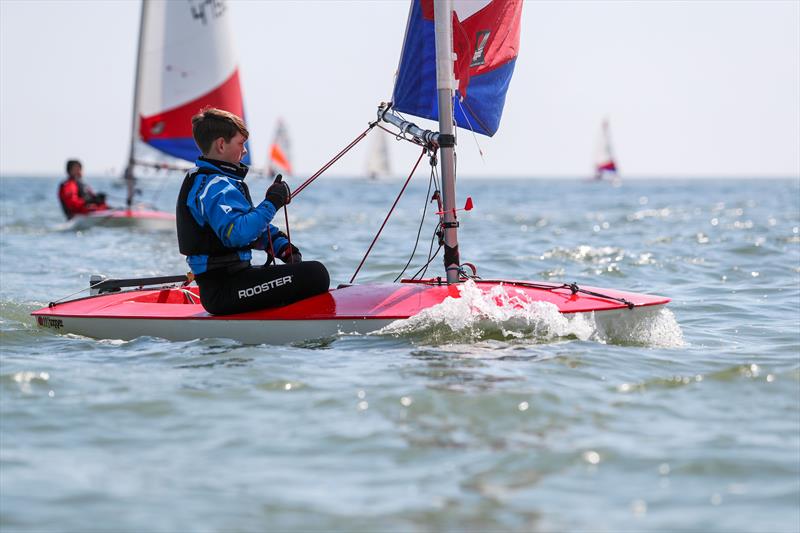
<point x="487" y="45"/>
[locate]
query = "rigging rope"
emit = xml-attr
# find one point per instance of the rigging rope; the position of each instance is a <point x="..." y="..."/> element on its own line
<point x="424" y="268"/>
<point x="391" y="210"/>
<point x="436" y="231"/>
<point x="358" y="139"/>
<point x="573" y="288"/>
<point x="165" y="282"/>
<point x="288" y="234"/>
<point x="335" y="158"/>
<point x="422" y="220"/>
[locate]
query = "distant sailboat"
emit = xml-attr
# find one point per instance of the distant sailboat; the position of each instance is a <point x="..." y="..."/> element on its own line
<point x="186" y="60"/>
<point x="605" y="163"/>
<point x="279" y="161"/>
<point x="378" y="158"/>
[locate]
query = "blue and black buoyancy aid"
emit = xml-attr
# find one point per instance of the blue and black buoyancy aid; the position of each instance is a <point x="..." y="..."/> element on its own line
<point x="196" y="239"/>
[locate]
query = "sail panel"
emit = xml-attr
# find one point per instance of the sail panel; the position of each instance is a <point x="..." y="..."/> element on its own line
<point x="279" y="160"/>
<point x="378" y="157"/>
<point x="279" y="163"/>
<point x="171" y="131"/>
<point x="486" y="42"/>
<point x="188" y="62"/>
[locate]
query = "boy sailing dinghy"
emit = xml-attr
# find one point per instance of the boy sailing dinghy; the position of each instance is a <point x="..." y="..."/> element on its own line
<point x="186" y="60"/>
<point x="486" y="42"/>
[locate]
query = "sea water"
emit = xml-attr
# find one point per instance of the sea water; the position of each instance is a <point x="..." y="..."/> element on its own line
<point x="466" y="417"/>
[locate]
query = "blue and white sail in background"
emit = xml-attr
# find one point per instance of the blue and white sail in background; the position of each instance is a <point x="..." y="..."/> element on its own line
<point x="486" y="43"/>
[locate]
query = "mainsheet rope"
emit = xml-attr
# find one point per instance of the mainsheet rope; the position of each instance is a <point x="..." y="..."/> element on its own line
<point x="422" y="220"/>
<point x="326" y="166"/>
<point x="391" y="210"/>
<point x="335" y="158"/>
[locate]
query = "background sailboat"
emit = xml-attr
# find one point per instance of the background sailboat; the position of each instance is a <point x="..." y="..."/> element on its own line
<point x="186" y="61"/>
<point x="605" y="164"/>
<point x="378" y="158"/>
<point x="279" y="158"/>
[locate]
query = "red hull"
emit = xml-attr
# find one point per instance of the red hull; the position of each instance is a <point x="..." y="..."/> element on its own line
<point x="378" y="301"/>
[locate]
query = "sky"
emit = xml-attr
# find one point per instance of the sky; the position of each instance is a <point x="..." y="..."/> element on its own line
<point x="691" y="89"/>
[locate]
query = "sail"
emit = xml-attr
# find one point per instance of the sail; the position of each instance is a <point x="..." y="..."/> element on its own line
<point x="187" y="61"/>
<point x="486" y="42"/>
<point x="378" y="158"/>
<point x="604" y="157"/>
<point x="279" y="152"/>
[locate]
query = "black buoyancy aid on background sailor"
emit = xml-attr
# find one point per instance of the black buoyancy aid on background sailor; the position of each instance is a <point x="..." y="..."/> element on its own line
<point x="218" y="226"/>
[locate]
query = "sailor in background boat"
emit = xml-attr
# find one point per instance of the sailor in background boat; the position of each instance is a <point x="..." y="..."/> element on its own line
<point x="218" y="226"/>
<point x="76" y="197"/>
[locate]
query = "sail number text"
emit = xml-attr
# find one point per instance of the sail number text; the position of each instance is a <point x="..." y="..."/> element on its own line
<point x="204" y="10"/>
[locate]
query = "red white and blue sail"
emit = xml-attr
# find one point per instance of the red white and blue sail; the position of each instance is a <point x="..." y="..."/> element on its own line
<point x="486" y="43"/>
<point x="187" y="61"/>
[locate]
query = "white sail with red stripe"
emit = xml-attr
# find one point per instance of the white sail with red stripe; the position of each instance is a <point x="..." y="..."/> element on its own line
<point x="187" y="61"/>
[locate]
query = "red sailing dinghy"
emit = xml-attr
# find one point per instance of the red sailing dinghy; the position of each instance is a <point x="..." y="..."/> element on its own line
<point x="487" y="38"/>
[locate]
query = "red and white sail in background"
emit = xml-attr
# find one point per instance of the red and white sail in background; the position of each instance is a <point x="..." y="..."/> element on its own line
<point x="279" y="159"/>
<point x="605" y="163"/>
<point x="187" y="60"/>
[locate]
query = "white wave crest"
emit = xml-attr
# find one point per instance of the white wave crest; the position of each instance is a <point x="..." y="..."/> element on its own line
<point x="505" y="313"/>
<point x="655" y="327"/>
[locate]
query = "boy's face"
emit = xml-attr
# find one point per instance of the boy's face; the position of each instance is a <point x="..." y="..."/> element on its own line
<point x="234" y="150"/>
<point x="76" y="172"/>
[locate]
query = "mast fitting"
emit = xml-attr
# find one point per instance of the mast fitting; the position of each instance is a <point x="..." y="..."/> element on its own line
<point x="446" y="140"/>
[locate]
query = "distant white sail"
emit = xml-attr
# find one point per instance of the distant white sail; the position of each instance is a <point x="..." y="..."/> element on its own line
<point x="378" y="158"/>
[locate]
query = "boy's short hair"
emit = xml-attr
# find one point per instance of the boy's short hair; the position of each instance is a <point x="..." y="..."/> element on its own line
<point x="71" y="163"/>
<point x="212" y="123"/>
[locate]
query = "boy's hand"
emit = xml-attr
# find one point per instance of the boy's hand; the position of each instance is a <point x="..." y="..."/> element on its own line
<point x="290" y="254"/>
<point x="278" y="194"/>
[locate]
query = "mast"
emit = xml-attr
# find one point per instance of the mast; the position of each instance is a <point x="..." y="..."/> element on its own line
<point x="445" y="84"/>
<point x="130" y="180"/>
